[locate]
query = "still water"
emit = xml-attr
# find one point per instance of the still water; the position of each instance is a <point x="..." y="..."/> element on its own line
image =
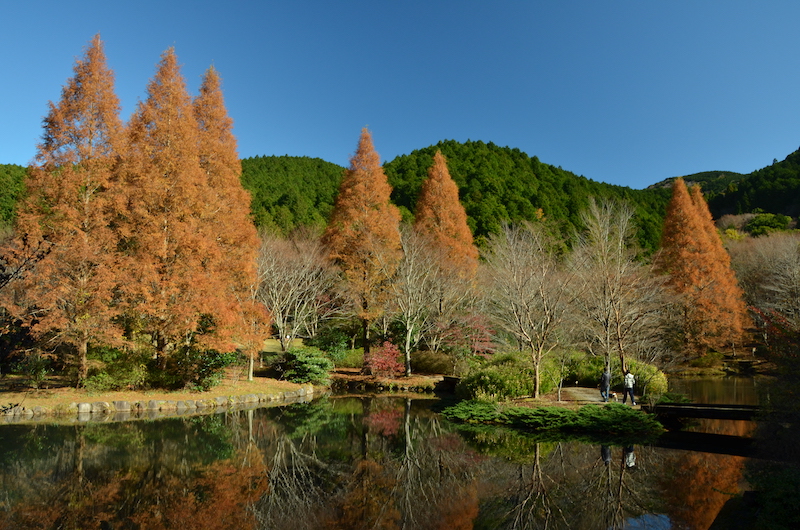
<point x="347" y="463"/>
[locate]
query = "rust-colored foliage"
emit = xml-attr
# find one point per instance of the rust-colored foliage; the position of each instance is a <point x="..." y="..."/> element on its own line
<point x="441" y="217"/>
<point x="699" y="270"/>
<point x="175" y="246"/>
<point x="363" y="236"/>
<point x="227" y="216"/>
<point x="69" y="187"/>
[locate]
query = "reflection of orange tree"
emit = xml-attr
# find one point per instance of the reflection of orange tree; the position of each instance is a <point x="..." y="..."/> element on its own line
<point x="368" y="502"/>
<point x="702" y="483"/>
<point x="216" y="496"/>
<point x="458" y="509"/>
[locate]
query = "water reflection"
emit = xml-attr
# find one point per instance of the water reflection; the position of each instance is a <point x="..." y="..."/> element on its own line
<point x="343" y="463"/>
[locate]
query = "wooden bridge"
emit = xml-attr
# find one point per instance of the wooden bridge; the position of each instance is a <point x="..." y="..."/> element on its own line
<point x="703" y="410"/>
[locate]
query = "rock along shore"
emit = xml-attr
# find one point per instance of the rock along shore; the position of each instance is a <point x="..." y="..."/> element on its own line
<point x="111" y="411"/>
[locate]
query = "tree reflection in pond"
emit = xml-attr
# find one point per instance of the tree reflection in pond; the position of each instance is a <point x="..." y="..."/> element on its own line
<point x="342" y="463"/>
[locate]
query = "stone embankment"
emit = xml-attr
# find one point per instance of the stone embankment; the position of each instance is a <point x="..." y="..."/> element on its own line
<point x="110" y="411"/>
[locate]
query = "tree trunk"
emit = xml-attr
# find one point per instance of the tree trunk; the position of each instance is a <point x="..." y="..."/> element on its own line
<point x="83" y="364"/>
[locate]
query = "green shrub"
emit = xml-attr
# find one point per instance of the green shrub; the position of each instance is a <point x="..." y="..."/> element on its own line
<point x="121" y="370"/>
<point x="429" y="362"/>
<point x="190" y="368"/>
<point x="505" y="376"/>
<point x="351" y="359"/>
<point x="650" y="381"/>
<point x="35" y="367"/>
<point x="709" y="360"/>
<point x="307" y="365"/>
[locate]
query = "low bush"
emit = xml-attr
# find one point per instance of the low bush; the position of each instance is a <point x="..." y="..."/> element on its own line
<point x="503" y="377"/>
<point x="428" y="362"/>
<point x="384" y="361"/>
<point x="709" y="360"/>
<point x="190" y="368"/>
<point x="350" y="359"/>
<point x="306" y="365"/>
<point x="34" y="366"/>
<point x="119" y="370"/>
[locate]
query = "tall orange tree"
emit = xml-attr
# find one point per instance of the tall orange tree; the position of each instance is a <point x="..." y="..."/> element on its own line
<point x="69" y="187"/>
<point x="363" y="236"/>
<point x="699" y="270"/>
<point x="441" y="218"/>
<point x="226" y="219"/>
<point x="172" y="255"/>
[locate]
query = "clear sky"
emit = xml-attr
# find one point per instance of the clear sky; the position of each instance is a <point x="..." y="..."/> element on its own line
<point x="622" y="91"/>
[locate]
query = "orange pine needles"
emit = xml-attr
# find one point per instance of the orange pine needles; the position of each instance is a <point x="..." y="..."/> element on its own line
<point x="699" y="270"/>
<point x="441" y="218"/>
<point x="363" y="236"/>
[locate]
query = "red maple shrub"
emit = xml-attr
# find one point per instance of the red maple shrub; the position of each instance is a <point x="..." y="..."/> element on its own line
<point x="383" y="361"/>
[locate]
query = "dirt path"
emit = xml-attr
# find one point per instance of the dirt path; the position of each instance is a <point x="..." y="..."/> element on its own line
<point x="583" y="394"/>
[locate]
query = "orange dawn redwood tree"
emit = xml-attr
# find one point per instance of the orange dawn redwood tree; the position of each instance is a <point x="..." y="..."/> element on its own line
<point x="227" y="218"/>
<point x="69" y="187"/>
<point x="714" y="314"/>
<point x="174" y="243"/>
<point x="441" y="218"/>
<point x="363" y="235"/>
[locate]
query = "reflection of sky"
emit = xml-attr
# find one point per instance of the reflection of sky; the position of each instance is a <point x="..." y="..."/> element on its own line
<point x="648" y="522"/>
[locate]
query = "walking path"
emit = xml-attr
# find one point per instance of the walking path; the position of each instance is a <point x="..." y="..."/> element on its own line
<point x="583" y="394"/>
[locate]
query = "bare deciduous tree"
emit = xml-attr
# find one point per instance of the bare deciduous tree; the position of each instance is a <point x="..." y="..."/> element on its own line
<point x="622" y="301"/>
<point x="294" y="283"/>
<point x="528" y="290"/>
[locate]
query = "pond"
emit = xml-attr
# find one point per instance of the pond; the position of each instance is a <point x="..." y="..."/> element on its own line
<point x="346" y="462"/>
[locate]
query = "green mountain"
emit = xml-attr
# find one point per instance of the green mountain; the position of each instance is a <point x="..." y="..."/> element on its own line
<point x="498" y="184"/>
<point x="711" y="182"/>
<point x="774" y="189"/>
<point x="289" y="191"/>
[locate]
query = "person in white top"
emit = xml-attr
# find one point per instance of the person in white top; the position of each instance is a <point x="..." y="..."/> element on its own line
<point x="628" y="382"/>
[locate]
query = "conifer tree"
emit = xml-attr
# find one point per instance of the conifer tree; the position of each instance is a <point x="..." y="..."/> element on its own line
<point x="227" y="217"/>
<point x="172" y="252"/>
<point x="699" y="270"/>
<point x="441" y="217"/>
<point x="363" y="236"/>
<point x="69" y="186"/>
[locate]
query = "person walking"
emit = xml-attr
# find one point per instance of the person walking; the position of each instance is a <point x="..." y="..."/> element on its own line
<point x="628" y="382"/>
<point x="605" y="384"/>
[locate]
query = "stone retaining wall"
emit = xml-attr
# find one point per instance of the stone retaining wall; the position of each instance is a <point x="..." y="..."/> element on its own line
<point x="106" y="411"/>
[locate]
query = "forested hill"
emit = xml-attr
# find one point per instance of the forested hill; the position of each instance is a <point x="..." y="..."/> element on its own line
<point x="12" y="184"/>
<point x="774" y="189"/>
<point x="290" y="191"/>
<point x="496" y="184"/>
<point x="499" y="184"/>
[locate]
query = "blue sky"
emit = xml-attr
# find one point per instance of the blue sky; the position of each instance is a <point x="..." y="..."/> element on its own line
<point x="625" y="92"/>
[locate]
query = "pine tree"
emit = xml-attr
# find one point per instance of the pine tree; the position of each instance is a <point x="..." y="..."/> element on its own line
<point x="227" y="217"/>
<point x="363" y="236"/>
<point x="440" y="216"/>
<point x="699" y="270"/>
<point x="67" y="205"/>
<point x="172" y="253"/>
